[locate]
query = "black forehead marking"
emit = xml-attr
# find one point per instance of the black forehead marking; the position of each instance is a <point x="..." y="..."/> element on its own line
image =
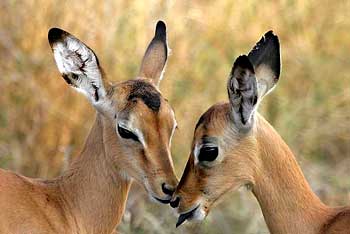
<point x="146" y="92"/>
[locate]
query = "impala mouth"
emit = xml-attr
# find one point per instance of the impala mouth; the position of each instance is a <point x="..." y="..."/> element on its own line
<point x="164" y="201"/>
<point x="186" y="216"/>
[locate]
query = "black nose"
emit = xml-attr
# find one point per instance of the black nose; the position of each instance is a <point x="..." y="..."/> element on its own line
<point x="175" y="203"/>
<point x="168" y="190"/>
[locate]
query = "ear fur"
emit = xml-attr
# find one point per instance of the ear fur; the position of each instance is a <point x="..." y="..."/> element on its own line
<point x="154" y="60"/>
<point x="252" y="77"/>
<point x="266" y="59"/>
<point x="243" y="93"/>
<point x="78" y="66"/>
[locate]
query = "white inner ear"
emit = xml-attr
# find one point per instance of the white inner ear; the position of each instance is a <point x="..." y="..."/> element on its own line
<point x="265" y="78"/>
<point x="74" y="58"/>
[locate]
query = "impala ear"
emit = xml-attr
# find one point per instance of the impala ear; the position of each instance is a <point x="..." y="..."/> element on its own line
<point x="266" y="60"/>
<point x="154" y="60"/>
<point x="79" y="66"/>
<point x="243" y="93"/>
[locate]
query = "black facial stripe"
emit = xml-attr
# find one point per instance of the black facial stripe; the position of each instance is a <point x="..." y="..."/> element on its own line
<point x="147" y="93"/>
<point x="65" y="77"/>
<point x="69" y="77"/>
<point x="96" y="92"/>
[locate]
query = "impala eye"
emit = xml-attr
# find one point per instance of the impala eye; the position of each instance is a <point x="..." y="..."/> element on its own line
<point x="208" y="153"/>
<point x="124" y="133"/>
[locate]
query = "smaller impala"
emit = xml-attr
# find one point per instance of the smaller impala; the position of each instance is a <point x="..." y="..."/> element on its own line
<point x="130" y="140"/>
<point x="234" y="146"/>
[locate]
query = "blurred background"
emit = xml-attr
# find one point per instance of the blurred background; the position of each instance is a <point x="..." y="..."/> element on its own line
<point x="43" y="123"/>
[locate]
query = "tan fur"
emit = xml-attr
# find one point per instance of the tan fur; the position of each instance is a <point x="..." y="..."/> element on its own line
<point x="262" y="161"/>
<point x="130" y="140"/>
<point x="90" y="196"/>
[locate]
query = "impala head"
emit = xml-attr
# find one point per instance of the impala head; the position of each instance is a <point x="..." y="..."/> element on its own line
<point x="138" y="122"/>
<point x="224" y="153"/>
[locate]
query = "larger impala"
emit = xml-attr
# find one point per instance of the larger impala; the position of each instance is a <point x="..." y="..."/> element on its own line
<point x="130" y="140"/>
<point x="234" y="146"/>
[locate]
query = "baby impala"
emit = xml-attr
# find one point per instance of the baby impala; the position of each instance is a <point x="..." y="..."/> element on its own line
<point x="234" y="146"/>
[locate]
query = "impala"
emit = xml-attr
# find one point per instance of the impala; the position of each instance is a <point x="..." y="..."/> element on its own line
<point x="130" y="140"/>
<point x="234" y="146"/>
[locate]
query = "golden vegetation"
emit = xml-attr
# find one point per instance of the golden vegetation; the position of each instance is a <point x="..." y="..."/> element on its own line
<point x="43" y="123"/>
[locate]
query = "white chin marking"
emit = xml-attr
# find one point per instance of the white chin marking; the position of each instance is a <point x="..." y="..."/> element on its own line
<point x="199" y="214"/>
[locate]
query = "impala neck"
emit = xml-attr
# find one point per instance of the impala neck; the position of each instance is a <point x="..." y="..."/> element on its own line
<point x="285" y="197"/>
<point x="93" y="190"/>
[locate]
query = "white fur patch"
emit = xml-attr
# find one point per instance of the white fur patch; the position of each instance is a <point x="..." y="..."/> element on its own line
<point x="199" y="214"/>
<point x="265" y="78"/>
<point x="130" y="126"/>
<point x="174" y="127"/>
<point x="73" y="58"/>
<point x="196" y="153"/>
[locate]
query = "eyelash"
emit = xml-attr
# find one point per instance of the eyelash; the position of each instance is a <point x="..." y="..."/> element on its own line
<point x="126" y="134"/>
<point x="208" y="153"/>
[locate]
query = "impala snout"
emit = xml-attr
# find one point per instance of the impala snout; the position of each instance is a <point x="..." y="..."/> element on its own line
<point x="188" y="209"/>
<point x="164" y="181"/>
<point x="164" y="194"/>
<point x="163" y="191"/>
<point x="188" y="199"/>
<point x="168" y="189"/>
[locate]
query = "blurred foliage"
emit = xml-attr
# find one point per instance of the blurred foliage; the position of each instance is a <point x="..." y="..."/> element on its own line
<point x="43" y="123"/>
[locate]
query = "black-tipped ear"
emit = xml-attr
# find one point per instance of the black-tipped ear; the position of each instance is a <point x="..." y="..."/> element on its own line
<point x="242" y="92"/>
<point x="160" y="31"/>
<point x="266" y="59"/>
<point x="56" y="35"/>
<point x="79" y="66"/>
<point x="156" y="55"/>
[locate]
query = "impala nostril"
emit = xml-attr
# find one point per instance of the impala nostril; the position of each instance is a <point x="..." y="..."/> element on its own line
<point x="175" y="203"/>
<point x="167" y="189"/>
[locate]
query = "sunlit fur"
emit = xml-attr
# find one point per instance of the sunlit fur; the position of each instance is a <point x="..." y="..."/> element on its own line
<point x="89" y="198"/>
<point x="151" y="165"/>
<point x="205" y="185"/>
<point x="253" y="155"/>
<point x="261" y="160"/>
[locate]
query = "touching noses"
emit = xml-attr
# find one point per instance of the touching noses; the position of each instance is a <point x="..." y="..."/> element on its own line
<point x="174" y="203"/>
<point x="168" y="189"/>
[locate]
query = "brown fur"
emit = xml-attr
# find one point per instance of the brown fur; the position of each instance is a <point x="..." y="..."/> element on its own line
<point x="90" y="196"/>
<point x="261" y="160"/>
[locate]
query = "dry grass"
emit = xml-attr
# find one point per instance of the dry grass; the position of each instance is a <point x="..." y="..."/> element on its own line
<point x="43" y="123"/>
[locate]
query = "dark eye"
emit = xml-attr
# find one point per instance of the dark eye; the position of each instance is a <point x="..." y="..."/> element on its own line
<point x="208" y="153"/>
<point x="127" y="134"/>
